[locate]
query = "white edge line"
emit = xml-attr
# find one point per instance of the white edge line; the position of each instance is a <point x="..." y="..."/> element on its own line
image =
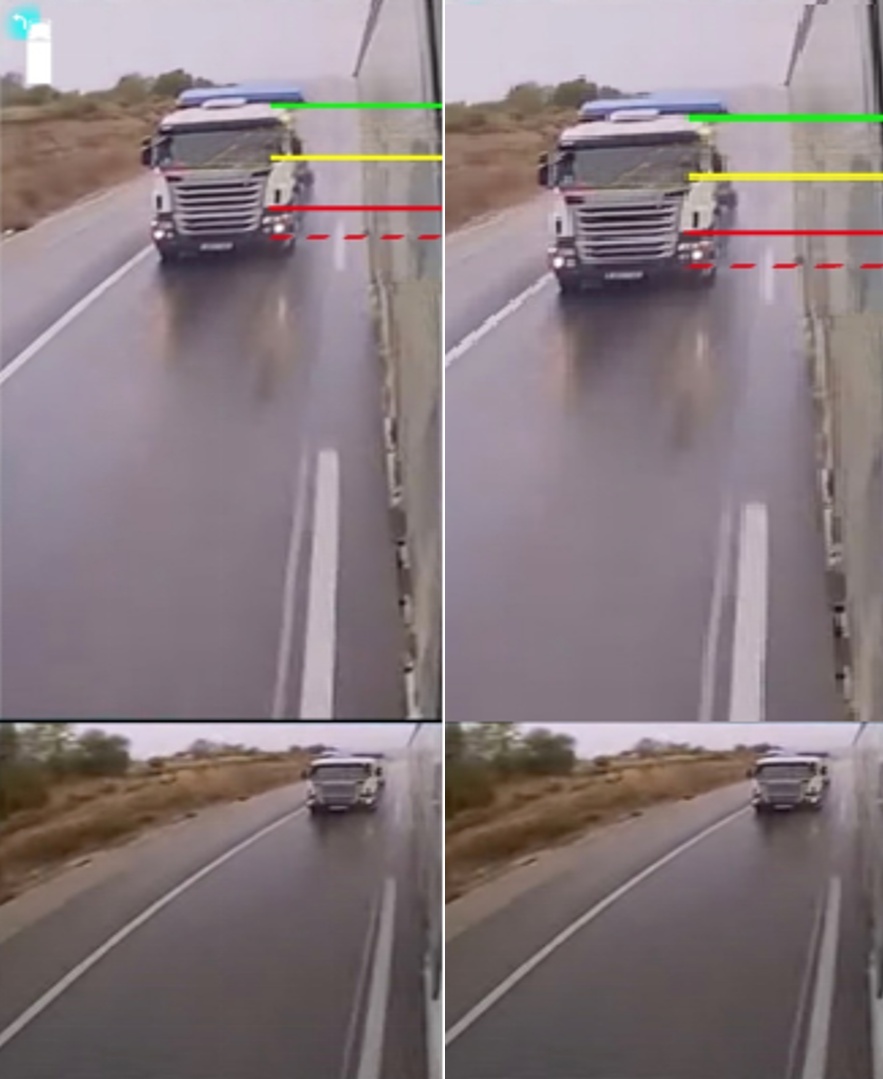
<point x="494" y="320"/>
<point x="748" y="671"/>
<point x="518" y="975"/>
<point x="68" y="317"/>
<point x="816" y="1061"/>
<point x="371" y="1059"/>
<point x="292" y="563"/>
<point x="722" y="566"/>
<point x="317" y="676"/>
<point x="40" y="1005"/>
<point x="361" y="985"/>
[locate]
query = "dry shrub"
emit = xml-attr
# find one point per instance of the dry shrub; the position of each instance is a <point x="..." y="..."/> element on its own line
<point x="88" y="815"/>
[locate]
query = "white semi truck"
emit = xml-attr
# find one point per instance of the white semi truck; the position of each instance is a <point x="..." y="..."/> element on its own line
<point x="216" y="187"/>
<point x="625" y="207"/>
<point x="789" y="781"/>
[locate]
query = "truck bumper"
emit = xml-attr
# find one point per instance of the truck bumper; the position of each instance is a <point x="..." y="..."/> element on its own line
<point x="172" y="244"/>
<point x="691" y="264"/>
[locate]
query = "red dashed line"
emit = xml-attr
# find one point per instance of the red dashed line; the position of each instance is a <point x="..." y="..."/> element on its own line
<point x="430" y="236"/>
<point x="319" y="236"/>
<point x="356" y="236"/>
<point x="282" y="236"/>
<point x="393" y="236"/>
<point x="785" y="266"/>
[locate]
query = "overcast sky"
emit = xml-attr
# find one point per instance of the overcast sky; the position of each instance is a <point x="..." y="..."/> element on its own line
<point x="161" y="738"/>
<point x="631" y="44"/>
<point x="595" y="738"/>
<point x="94" y="42"/>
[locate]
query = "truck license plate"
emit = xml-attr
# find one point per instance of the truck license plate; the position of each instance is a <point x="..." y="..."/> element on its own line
<point x="624" y="275"/>
<point x="216" y="247"/>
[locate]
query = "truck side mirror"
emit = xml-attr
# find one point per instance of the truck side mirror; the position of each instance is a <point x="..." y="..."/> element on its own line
<point x="146" y="152"/>
<point x="543" y="170"/>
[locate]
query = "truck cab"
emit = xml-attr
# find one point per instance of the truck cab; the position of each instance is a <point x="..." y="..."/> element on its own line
<point x="624" y="201"/>
<point x="796" y="781"/>
<point x="340" y="784"/>
<point x="217" y="185"/>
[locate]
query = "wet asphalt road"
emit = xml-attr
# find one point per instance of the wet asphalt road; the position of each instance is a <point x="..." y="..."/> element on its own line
<point x="599" y="458"/>
<point x="262" y="969"/>
<point x="161" y="481"/>
<point x="708" y="967"/>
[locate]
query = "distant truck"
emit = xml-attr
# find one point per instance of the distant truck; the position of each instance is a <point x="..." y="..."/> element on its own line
<point x="794" y="781"/>
<point x="338" y="784"/>
<point x="624" y="203"/>
<point x="215" y="185"/>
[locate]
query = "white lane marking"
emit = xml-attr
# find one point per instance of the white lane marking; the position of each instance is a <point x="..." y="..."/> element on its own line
<point x="339" y="248"/>
<point x="371" y="1059"/>
<point x="767" y="278"/>
<point x="494" y="320"/>
<point x="815" y="1065"/>
<point x="361" y="988"/>
<point x="31" y="1013"/>
<point x="68" y="317"/>
<point x="509" y="983"/>
<point x="748" y="673"/>
<point x="722" y="568"/>
<point x="815" y="935"/>
<point x="317" y="680"/>
<point x="289" y="588"/>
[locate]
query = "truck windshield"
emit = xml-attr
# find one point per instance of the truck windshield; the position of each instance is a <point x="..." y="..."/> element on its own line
<point x="785" y="771"/>
<point x="628" y="166"/>
<point x="336" y="772"/>
<point x="219" y="148"/>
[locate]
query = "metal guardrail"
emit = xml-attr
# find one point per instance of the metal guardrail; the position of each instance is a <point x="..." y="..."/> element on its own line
<point x="835" y="68"/>
<point x="399" y="62"/>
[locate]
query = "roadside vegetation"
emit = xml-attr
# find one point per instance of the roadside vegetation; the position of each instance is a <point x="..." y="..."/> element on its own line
<point x="65" y="794"/>
<point x="58" y="148"/>
<point x="491" y="147"/>
<point x="509" y="793"/>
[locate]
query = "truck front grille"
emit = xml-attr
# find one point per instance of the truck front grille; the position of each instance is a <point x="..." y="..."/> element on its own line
<point x="204" y="206"/>
<point x="338" y="794"/>
<point x="783" y="793"/>
<point x="622" y="232"/>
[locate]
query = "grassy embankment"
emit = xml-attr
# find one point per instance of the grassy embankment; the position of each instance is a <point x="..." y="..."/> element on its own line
<point x="84" y="815"/>
<point x="528" y="814"/>
<point x="491" y="147"/>
<point x="58" y="148"/>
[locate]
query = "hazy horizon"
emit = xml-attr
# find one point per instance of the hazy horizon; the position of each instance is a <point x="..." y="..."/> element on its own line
<point x="162" y="739"/>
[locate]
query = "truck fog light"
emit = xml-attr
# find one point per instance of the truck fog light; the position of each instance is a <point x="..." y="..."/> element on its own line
<point x="558" y="261"/>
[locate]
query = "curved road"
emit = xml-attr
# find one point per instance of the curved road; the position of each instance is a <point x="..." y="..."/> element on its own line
<point x="712" y="943"/>
<point x="193" y="499"/>
<point x="298" y="955"/>
<point x="631" y="524"/>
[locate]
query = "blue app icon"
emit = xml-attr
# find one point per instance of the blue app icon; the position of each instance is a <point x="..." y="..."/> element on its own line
<point x="20" y="19"/>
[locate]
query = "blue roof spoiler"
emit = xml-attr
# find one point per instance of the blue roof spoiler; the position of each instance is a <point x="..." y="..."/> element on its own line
<point x="665" y="104"/>
<point x="254" y="93"/>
